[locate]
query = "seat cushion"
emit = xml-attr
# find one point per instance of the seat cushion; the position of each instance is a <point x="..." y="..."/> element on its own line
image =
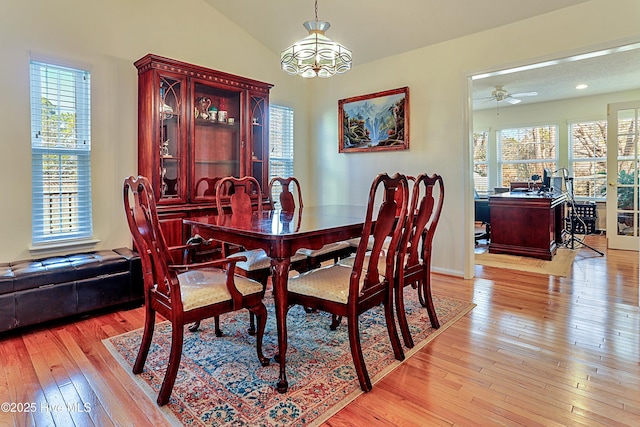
<point x="199" y="288"/>
<point x="326" y="249"/>
<point x="257" y="259"/>
<point x="355" y="242"/>
<point x="382" y="262"/>
<point x="329" y="283"/>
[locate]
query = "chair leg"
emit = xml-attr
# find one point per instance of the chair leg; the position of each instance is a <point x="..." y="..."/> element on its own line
<point x="402" y="316"/>
<point x="175" y="355"/>
<point x="260" y="312"/>
<point x="216" y="323"/>
<point x="147" y="335"/>
<point x="356" y="354"/>
<point x="335" y="322"/>
<point x="391" y="328"/>
<point x="252" y="324"/>
<point x="252" y="318"/>
<point x="426" y="300"/>
<point x="194" y="327"/>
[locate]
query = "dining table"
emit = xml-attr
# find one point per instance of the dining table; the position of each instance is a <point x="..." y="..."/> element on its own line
<point x="280" y="234"/>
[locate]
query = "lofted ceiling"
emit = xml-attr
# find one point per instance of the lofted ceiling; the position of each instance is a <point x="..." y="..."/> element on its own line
<point x="375" y="29"/>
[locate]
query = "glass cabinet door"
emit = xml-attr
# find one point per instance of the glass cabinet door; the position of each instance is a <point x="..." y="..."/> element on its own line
<point x="216" y="138"/>
<point x="172" y="185"/>
<point x="258" y="106"/>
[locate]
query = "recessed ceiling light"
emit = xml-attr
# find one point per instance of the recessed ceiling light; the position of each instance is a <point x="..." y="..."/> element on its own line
<point x="582" y="86"/>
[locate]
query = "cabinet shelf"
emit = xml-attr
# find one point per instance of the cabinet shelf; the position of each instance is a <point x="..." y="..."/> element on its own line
<point x="224" y="125"/>
<point x="217" y="162"/>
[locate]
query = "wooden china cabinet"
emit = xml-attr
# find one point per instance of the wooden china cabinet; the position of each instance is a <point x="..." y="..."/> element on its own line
<point x="195" y="126"/>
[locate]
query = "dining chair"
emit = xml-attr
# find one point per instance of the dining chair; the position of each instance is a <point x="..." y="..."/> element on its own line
<point x="414" y="256"/>
<point x="350" y="291"/>
<point x="240" y="194"/>
<point x="356" y="241"/>
<point x="209" y="190"/>
<point x="290" y="197"/>
<point x="182" y="293"/>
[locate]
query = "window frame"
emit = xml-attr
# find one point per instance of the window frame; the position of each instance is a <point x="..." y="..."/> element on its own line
<point x="61" y="213"/>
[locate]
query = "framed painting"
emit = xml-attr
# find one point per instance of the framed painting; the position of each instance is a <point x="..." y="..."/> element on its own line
<point x="374" y="122"/>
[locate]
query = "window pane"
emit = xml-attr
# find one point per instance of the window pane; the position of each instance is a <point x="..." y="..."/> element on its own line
<point x="588" y="154"/>
<point x="480" y="146"/>
<point x="280" y="143"/>
<point x="525" y="152"/>
<point x="538" y="143"/>
<point x="61" y="161"/>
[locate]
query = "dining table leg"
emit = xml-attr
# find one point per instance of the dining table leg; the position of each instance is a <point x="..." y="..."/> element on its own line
<point x="280" y="276"/>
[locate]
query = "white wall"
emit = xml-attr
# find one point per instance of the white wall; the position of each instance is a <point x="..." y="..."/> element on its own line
<point x="111" y="35"/>
<point x="439" y="139"/>
<point x="108" y="36"/>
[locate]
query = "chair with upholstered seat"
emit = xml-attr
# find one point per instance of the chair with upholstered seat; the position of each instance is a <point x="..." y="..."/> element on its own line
<point x="349" y="292"/>
<point x="240" y="194"/>
<point x="414" y="258"/>
<point x="182" y="293"/>
<point x="290" y="197"/>
<point x="244" y="196"/>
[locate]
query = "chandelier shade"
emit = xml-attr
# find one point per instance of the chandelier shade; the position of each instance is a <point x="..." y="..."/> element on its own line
<point x="316" y="54"/>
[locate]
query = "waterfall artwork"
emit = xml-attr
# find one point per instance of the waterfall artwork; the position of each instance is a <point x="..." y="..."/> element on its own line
<point x="374" y="122"/>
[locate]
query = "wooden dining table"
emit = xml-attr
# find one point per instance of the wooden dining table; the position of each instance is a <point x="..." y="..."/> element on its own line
<point x="280" y="234"/>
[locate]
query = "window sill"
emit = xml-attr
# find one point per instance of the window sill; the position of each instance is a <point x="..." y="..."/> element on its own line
<point x="47" y="248"/>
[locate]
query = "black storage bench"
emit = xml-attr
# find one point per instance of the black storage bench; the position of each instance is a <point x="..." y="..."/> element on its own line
<point x="35" y="291"/>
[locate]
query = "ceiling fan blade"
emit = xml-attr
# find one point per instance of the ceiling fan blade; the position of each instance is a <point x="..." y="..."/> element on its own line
<point x="519" y="95"/>
<point x="512" y="100"/>
<point x="483" y="98"/>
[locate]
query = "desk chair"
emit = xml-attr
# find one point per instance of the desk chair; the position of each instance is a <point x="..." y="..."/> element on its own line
<point x="482" y="215"/>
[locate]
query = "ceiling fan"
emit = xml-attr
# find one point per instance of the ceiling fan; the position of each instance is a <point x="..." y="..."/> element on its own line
<point x="499" y="94"/>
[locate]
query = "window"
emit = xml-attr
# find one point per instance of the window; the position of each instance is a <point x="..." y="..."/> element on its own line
<point x="280" y="142"/>
<point x="480" y="162"/>
<point x="60" y="153"/>
<point x="526" y="152"/>
<point x="588" y="158"/>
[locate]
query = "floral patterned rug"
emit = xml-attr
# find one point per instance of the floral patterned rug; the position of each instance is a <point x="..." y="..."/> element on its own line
<point x="220" y="381"/>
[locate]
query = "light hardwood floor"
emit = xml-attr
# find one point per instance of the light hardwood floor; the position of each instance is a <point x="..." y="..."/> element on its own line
<point x="536" y="351"/>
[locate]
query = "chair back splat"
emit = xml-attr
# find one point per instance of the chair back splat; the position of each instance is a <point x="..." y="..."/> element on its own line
<point x="350" y="291"/>
<point x="286" y="197"/>
<point x="413" y="265"/>
<point x="184" y="293"/>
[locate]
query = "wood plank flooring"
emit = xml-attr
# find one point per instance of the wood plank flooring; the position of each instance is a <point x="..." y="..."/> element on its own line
<point x="536" y="351"/>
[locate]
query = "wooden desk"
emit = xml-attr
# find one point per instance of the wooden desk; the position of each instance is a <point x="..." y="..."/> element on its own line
<point x="281" y="234"/>
<point x="526" y="224"/>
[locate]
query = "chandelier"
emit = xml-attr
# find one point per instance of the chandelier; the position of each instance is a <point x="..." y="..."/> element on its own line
<point x="316" y="54"/>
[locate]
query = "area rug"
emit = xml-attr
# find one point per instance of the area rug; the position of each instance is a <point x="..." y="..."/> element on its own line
<point x="221" y="383"/>
<point x="560" y="265"/>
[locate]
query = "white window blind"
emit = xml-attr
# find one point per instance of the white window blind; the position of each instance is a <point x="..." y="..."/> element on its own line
<point x="280" y="141"/>
<point x="525" y="152"/>
<point x="588" y="159"/>
<point x="61" y="153"/>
